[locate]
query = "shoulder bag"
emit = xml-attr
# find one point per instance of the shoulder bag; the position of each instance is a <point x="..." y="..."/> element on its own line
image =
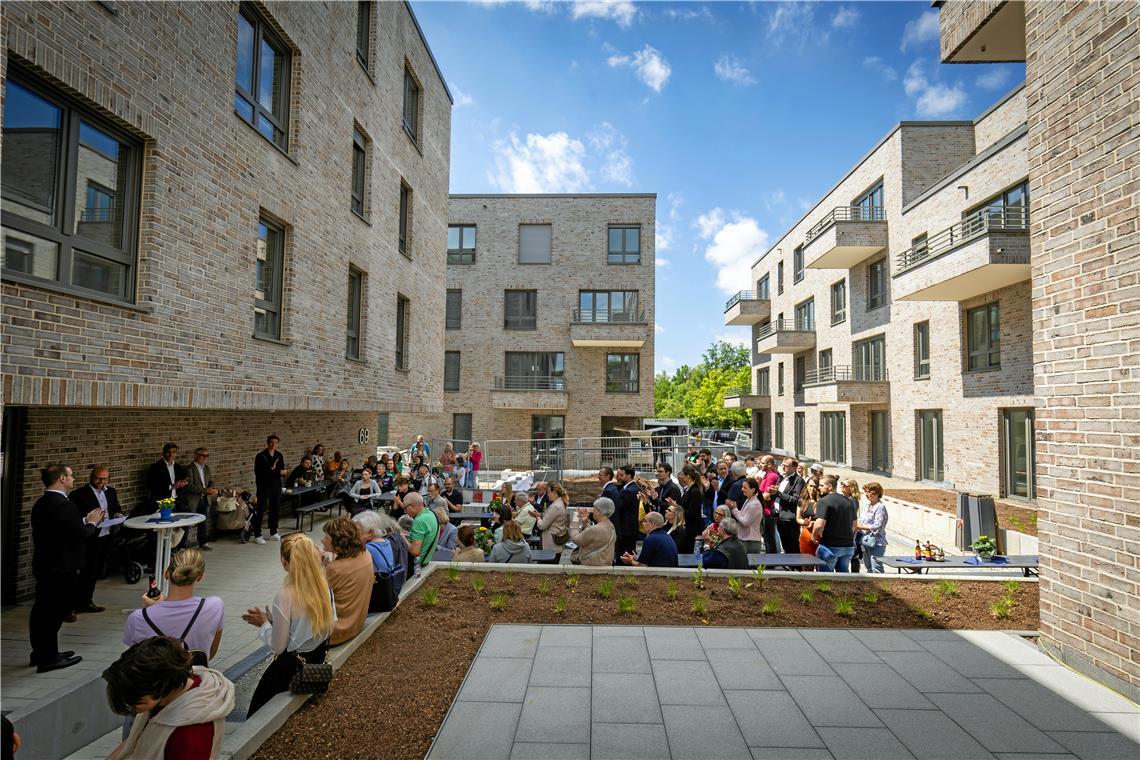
<point x="383" y="598"/>
<point x="197" y="656"/>
<point x="310" y="677"/>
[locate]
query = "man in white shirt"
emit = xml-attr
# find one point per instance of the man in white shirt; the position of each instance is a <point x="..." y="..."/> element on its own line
<point x="96" y="494"/>
<point x="200" y="492"/>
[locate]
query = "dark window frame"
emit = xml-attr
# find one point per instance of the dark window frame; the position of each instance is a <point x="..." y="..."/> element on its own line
<point x="462" y="254"/>
<point x="405" y="221"/>
<point x="352" y="347"/>
<point x="452" y="383"/>
<point x="799" y="374"/>
<point x="403" y="326"/>
<point x="453" y="321"/>
<point x="799" y="433"/>
<point x="797" y="264"/>
<point x="365" y="13"/>
<point x="922" y="350"/>
<point x="989" y="355"/>
<point x="763" y="382"/>
<point x="263" y="31"/>
<point x="778" y="430"/>
<point x="833" y="437"/>
<point x="411" y="120"/>
<point x="599" y="315"/>
<point x="804" y="323"/>
<point x="624" y="385"/>
<point x="274" y="305"/>
<point x="763" y="288"/>
<point x="839" y="305"/>
<point x="780" y="379"/>
<point x="360" y="150"/>
<point x="624" y="256"/>
<point x="555" y="376"/>
<point x="877" y="289"/>
<point x="866" y="200"/>
<point x="549" y="254"/>
<point x="779" y="278"/>
<point x="521" y="320"/>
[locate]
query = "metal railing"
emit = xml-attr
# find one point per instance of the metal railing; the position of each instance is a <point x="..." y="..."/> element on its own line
<point x="461" y="256"/>
<point x="623" y="386"/>
<point x="845" y="214"/>
<point x="577" y="457"/>
<point x="785" y="325"/>
<point x="867" y="373"/>
<point x="1013" y="219"/>
<point x="744" y="295"/>
<point x="608" y="316"/>
<point x="530" y="383"/>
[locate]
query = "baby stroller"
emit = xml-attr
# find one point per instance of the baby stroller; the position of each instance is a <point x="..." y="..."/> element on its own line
<point x="131" y="552"/>
<point x="232" y="512"/>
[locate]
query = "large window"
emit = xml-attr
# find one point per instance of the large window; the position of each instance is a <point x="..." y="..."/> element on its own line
<point x="823" y="364"/>
<point x="268" y="276"/>
<point x="870" y="204"/>
<point x="799" y="372"/>
<point x="412" y="93"/>
<point x="534" y="243"/>
<point x="461" y="430"/>
<point x="262" y="77"/>
<point x="805" y="315"/>
<point x="403" y="324"/>
<point x="798" y="263"/>
<point x="352" y="329"/>
<point x="359" y="171"/>
<point x="405" y="219"/>
<point x="364" y="33"/>
<point x="453" y="316"/>
<point x="833" y="437"/>
<point x="461" y="244"/>
<point x="534" y="370"/>
<point x="877" y="284"/>
<point x="451" y="370"/>
<point x="799" y="432"/>
<point x="763" y="288"/>
<point x="625" y="245"/>
<point x="71" y="193"/>
<point x="930" y="445"/>
<point x="608" y="306"/>
<point x="763" y="387"/>
<point x="1013" y="202"/>
<point x="779" y="277"/>
<point x="839" y="302"/>
<point x="780" y="379"/>
<point x="778" y="429"/>
<point x="520" y="309"/>
<point x="983" y="338"/>
<point x="922" y="350"/>
<point x="622" y="373"/>
<point x="869" y="359"/>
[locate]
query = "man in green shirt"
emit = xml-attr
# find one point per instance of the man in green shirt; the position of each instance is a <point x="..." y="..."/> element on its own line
<point x="425" y="529"/>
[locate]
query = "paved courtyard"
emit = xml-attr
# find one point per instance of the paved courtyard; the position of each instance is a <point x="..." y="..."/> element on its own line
<point x="631" y="692"/>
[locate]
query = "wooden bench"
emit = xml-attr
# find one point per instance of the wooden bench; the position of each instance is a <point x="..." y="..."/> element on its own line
<point x="311" y="510"/>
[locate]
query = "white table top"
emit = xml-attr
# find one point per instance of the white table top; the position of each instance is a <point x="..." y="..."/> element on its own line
<point x="181" y="520"/>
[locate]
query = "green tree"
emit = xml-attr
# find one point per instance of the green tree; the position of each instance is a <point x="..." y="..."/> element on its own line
<point x="697" y="393"/>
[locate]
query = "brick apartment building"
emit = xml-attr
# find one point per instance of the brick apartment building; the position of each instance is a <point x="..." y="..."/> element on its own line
<point x="891" y="327"/>
<point x="549" y="315"/>
<point x="1081" y="90"/>
<point x="220" y="220"/>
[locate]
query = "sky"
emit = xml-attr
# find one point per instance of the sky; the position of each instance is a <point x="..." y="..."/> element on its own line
<point x="739" y="116"/>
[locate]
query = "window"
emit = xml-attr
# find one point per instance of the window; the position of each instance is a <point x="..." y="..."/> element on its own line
<point x="405" y="219"/>
<point x="799" y="370"/>
<point x="922" y="350"/>
<point x="869" y="358"/>
<point x="779" y="277"/>
<point x="930" y="445"/>
<point x="762" y="385"/>
<point x="762" y="289"/>
<point x="833" y="437"/>
<point x="262" y="78"/>
<point x="520" y="309"/>
<point x="805" y="315"/>
<point x="622" y="374"/>
<point x="532" y="370"/>
<point x="411" y="105"/>
<point x="534" y="243"/>
<point x="267" y="286"/>
<point x="382" y="429"/>
<point x="839" y="302"/>
<point x="625" y="245"/>
<point x="461" y="244"/>
<point x="364" y="33"/>
<point x="983" y="338"/>
<point x="798" y="263"/>
<point x="1013" y="204"/>
<point x="403" y="322"/>
<point x="352" y="330"/>
<point x="869" y="205"/>
<point x="823" y="365"/>
<point x="877" y="284"/>
<point x="359" y="171"/>
<point x="453" y="317"/>
<point x="919" y="247"/>
<point x="799" y="431"/>
<point x="608" y="306"/>
<point x="57" y="156"/>
<point x="461" y="430"/>
<point x="780" y="379"/>
<point x="778" y="427"/>
<point x="451" y="370"/>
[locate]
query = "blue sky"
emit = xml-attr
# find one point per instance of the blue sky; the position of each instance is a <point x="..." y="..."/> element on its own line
<point x="738" y="115"/>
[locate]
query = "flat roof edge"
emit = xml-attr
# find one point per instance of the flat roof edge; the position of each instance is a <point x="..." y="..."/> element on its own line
<point x="1009" y="138"/>
<point x="427" y="47"/>
<point x="1001" y="102"/>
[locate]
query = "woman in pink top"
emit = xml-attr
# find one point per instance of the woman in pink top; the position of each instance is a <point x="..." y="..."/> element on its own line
<point x="475" y="459"/>
<point x="750" y="516"/>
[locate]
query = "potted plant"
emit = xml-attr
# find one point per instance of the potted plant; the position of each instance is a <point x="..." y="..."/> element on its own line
<point x="985" y="548"/>
<point x="485" y="539"/>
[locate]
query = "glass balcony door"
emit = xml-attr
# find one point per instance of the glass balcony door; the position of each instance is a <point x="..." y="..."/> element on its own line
<point x="1018" y="448"/>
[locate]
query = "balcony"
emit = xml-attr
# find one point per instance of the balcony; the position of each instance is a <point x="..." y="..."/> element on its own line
<point x="983" y="31"/>
<point x="985" y="252"/>
<point x="608" y="328"/>
<point x="746" y="308"/>
<point x="847" y="385"/>
<point x="786" y="336"/>
<point x="845" y="237"/>
<point x="745" y="398"/>
<point x="529" y="392"/>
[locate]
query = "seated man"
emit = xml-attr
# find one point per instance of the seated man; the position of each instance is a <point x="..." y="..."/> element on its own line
<point x="454" y="496"/>
<point x="729" y="553"/>
<point x="658" y="549"/>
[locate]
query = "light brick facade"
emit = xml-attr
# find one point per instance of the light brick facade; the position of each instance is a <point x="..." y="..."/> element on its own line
<point x="1082" y="87"/>
<point x="932" y="173"/>
<point x="579" y="255"/>
<point x="95" y="380"/>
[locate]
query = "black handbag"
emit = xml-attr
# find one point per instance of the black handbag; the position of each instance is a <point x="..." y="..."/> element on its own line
<point x="383" y="598"/>
<point x="310" y="677"/>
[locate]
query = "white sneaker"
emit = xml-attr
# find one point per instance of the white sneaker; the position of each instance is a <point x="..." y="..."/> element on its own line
<point x="259" y="540"/>
<point x="274" y="537"/>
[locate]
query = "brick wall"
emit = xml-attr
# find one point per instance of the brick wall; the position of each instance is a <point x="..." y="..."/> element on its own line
<point x="960" y="19"/>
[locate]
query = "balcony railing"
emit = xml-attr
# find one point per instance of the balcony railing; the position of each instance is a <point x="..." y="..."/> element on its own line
<point x="744" y="295"/>
<point x="608" y="316"/>
<point x="865" y="373"/>
<point x="786" y="325"/>
<point x="845" y="214"/>
<point x="1012" y="219"/>
<point x="746" y="390"/>
<point x="530" y="383"/>
<point x="623" y="386"/>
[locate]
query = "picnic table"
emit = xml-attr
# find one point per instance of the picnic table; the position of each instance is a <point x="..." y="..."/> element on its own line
<point x="1028" y="564"/>
<point x="537" y="556"/>
<point x="761" y="560"/>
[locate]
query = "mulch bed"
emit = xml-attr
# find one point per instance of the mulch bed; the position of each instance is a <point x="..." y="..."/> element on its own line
<point x="1010" y="516"/>
<point x="390" y="698"/>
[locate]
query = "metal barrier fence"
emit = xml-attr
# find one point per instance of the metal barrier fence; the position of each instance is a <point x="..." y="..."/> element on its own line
<point x="584" y="455"/>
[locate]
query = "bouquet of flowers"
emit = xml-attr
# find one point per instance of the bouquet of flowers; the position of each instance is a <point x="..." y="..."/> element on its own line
<point x="484" y="539"/>
<point x="496" y="502"/>
<point x="984" y="547"/>
<point x="167" y="503"/>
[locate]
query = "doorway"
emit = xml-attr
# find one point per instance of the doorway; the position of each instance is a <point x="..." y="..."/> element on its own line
<point x="1017" y="445"/>
<point x="880" y="441"/>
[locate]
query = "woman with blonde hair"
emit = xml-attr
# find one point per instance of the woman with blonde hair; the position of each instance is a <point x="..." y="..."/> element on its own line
<point x="448" y="538"/>
<point x="554" y="524"/>
<point x="675" y="520"/>
<point x="194" y="620"/>
<point x="297" y="625"/>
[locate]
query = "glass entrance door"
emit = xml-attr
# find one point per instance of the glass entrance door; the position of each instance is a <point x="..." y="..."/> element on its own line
<point x="547" y="432"/>
<point x="879" y="441"/>
<point x="1018" y="446"/>
<point x="930" y="446"/>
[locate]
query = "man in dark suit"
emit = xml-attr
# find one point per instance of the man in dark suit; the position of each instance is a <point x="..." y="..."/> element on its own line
<point x="198" y="493"/>
<point x="59" y="536"/>
<point x="625" y="513"/>
<point x="610" y="489"/>
<point x="787" y="495"/>
<point x="165" y="477"/>
<point x="97" y="494"/>
<point x="268" y="470"/>
<point x="667" y="488"/>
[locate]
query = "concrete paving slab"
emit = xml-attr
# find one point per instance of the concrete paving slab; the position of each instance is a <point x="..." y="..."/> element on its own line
<point x="1039" y="705"/>
<point x="477" y="730"/>
<point x="554" y="715"/>
<point x="621" y="654"/>
<point x="618" y="741"/>
<point x="703" y="733"/>
<point x="1126" y="723"/>
<point x="625" y="698"/>
<point x="928" y="673"/>
<point x="970" y="660"/>
<point x="839" y="646"/>
<point x="566" y="636"/>
<point x="510" y="641"/>
<point x="880" y="686"/>
<point x="686" y="683"/>
<point x="495" y="680"/>
<point x="828" y="701"/>
<point x="676" y="645"/>
<point x="609" y="631"/>
<point x="1079" y="690"/>
<point x="724" y="638"/>
<point x="993" y="724"/>
<point x="887" y="641"/>
<point x="743" y="669"/>
<point x="561" y="666"/>
<point x="536" y="751"/>
<point x="931" y="735"/>
<point x="863" y="744"/>
<point x="793" y="657"/>
<point x="789" y="753"/>
<point x="1093" y="745"/>
<point x="771" y="719"/>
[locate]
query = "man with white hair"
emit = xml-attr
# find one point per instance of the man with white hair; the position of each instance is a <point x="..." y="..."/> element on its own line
<point x="730" y="553"/>
<point x="658" y="549"/>
<point x="733" y="486"/>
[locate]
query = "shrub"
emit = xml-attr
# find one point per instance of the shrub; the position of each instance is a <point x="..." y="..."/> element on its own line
<point x="771" y="607"/>
<point x="700" y="605"/>
<point x="478" y="583"/>
<point x="844" y="606"/>
<point x="1001" y="608"/>
<point x="734" y="586"/>
<point x="499" y="602"/>
<point x="949" y="588"/>
<point x="560" y="606"/>
<point x="671" y="590"/>
<point x="823" y="587"/>
<point x="452" y="574"/>
<point x="572" y="581"/>
<point x="626" y="605"/>
<point x="606" y="588"/>
<point x="922" y="613"/>
<point x="806" y="596"/>
<point x="760" y="575"/>
<point x="544" y="585"/>
<point x="509" y="576"/>
<point x="631" y="581"/>
<point x="698" y="577"/>
<point x="1011" y="587"/>
<point x="430" y="597"/>
<point x="871" y="597"/>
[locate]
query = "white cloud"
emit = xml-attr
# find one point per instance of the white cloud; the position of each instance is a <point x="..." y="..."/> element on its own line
<point x="461" y="98"/>
<point x="735" y="245"/>
<point x="735" y="337"/>
<point x="792" y="24"/>
<point x="994" y="79"/>
<point x="932" y="98"/>
<point x="663" y="239"/>
<point x="730" y="69"/>
<point x="921" y="30"/>
<point x="875" y="63"/>
<point x="687" y="14"/>
<point x="660" y="262"/>
<point x="845" y="16"/>
<point x="648" y="64"/>
<point x="667" y="363"/>
<point x="621" y="11"/>
<point x="542" y="164"/>
<point x="657" y="328"/>
<point x="617" y="166"/>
